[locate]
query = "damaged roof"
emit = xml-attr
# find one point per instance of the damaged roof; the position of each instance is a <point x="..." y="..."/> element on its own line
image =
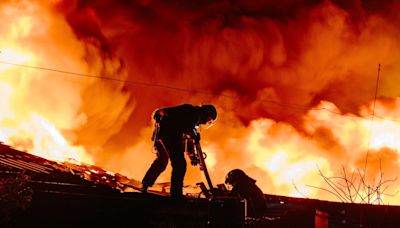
<point x="70" y="193"/>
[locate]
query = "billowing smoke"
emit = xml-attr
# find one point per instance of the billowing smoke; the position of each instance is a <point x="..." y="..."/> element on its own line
<point x="294" y="82"/>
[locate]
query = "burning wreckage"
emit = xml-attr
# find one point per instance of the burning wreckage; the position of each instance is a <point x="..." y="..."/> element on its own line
<point x="70" y="193"/>
<point x="40" y="192"/>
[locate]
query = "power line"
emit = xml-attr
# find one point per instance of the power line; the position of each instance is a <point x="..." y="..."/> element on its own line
<point x="94" y="76"/>
<point x="147" y="84"/>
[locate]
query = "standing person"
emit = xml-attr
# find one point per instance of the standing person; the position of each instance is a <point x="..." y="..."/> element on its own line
<point x="172" y="123"/>
<point x="245" y="187"/>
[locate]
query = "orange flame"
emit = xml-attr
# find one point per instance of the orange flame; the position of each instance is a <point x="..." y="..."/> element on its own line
<point x="294" y="86"/>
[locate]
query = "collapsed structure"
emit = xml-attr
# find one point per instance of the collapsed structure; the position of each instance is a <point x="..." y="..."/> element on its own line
<point x="69" y="193"/>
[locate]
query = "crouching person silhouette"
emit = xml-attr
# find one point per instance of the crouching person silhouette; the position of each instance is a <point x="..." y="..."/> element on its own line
<point x="245" y="187"/>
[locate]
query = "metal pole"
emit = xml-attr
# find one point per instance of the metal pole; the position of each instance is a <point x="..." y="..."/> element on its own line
<point x="203" y="166"/>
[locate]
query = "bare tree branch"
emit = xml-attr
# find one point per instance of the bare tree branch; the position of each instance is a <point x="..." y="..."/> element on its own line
<point x="355" y="188"/>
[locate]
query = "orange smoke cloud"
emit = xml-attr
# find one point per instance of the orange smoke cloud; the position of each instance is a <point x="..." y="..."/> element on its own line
<point x="294" y="83"/>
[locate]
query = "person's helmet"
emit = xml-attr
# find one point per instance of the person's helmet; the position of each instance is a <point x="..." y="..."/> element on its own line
<point x="210" y="110"/>
<point x="234" y="176"/>
<point x="208" y="114"/>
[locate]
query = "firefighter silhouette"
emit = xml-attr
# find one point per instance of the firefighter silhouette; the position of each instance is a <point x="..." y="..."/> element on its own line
<point x="245" y="187"/>
<point x="173" y="126"/>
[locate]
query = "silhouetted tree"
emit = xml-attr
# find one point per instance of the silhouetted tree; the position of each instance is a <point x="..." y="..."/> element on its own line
<point x="353" y="188"/>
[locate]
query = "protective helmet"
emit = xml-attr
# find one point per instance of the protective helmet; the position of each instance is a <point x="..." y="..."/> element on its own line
<point x="234" y="176"/>
<point x="208" y="113"/>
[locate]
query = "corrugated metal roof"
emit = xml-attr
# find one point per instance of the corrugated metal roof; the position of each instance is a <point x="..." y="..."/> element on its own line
<point x="92" y="191"/>
<point x="51" y="173"/>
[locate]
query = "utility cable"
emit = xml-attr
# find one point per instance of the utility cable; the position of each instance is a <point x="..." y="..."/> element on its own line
<point x="147" y="84"/>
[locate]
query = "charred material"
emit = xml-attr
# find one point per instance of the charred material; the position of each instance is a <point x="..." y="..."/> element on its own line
<point x="71" y="194"/>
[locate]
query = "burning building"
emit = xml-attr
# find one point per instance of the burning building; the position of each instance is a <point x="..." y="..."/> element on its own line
<point x="46" y="193"/>
<point x="305" y="89"/>
<point x="73" y="194"/>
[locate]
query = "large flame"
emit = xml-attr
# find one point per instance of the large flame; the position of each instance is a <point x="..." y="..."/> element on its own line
<point x="41" y="109"/>
<point x="294" y="83"/>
